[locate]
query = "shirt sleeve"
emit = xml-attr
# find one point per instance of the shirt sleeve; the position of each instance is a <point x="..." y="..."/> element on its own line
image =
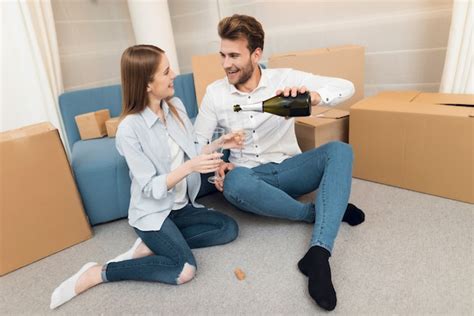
<point x="332" y="90"/>
<point x="152" y="184"/>
<point x="206" y="120"/>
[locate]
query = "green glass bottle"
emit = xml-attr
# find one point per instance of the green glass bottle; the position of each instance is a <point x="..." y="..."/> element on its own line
<point x="280" y="105"/>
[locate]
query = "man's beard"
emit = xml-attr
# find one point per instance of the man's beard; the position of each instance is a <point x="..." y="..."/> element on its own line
<point x="245" y="74"/>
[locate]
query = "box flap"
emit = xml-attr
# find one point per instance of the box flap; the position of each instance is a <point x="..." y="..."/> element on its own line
<point x="316" y="110"/>
<point x="446" y="99"/>
<point x="26" y="131"/>
<point x="101" y="113"/>
<point x="314" y="121"/>
<point x="113" y="119"/>
<point x="332" y="114"/>
<point x="407" y="96"/>
<point x="399" y="101"/>
<point x="376" y="103"/>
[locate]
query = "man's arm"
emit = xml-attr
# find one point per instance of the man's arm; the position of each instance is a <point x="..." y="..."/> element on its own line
<point x="206" y="120"/>
<point x="329" y="91"/>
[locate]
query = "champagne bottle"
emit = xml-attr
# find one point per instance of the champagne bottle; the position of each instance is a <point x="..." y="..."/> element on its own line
<point x="280" y="105"/>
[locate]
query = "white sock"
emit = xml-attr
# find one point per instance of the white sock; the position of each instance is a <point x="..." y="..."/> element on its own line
<point x="66" y="290"/>
<point x="129" y="254"/>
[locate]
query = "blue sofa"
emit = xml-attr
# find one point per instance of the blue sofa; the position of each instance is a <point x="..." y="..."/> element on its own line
<point x="100" y="172"/>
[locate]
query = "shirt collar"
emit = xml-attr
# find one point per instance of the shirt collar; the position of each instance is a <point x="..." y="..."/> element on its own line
<point x="262" y="83"/>
<point x="150" y="117"/>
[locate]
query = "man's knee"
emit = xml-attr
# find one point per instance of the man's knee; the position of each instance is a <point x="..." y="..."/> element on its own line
<point x="339" y="150"/>
<point x="236" y="179"/>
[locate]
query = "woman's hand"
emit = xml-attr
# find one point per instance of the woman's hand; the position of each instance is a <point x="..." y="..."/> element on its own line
<point x="204" y="163"/>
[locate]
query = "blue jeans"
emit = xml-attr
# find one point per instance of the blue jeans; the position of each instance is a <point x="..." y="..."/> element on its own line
<point x="270" y="189"/>
<point x="182" y="231"/>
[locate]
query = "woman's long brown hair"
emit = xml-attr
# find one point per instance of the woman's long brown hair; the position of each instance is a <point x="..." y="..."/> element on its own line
<point x="138" y="65"/>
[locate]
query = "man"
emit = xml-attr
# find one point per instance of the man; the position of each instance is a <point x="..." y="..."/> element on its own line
<point x="272" y="171"/>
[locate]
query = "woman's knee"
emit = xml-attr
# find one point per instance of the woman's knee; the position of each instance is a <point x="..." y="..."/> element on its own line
<point x="230" y="229"/>
<point x="187" y="274"/>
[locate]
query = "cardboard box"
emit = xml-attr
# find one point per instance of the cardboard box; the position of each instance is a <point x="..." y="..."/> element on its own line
<point x="40" y="209"/>
<point x="206" y="70"/>
<point x="418" y="141"/>
<point x="345" y="62"/>
<point x="92" y="124"/>
<point x="324" y="125"/>
<point x="111" y="126"/>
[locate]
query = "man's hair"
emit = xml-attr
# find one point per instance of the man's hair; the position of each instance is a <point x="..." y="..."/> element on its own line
<point x="240" y="26"/>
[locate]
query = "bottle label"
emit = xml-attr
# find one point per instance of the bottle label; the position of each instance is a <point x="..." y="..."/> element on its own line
<point x="258" y="107"/>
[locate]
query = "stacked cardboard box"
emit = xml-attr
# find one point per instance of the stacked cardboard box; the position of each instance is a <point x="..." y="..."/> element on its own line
<point x="40" y="209"/>
<point x="92" y="125"/>
<point x="325" y="124"/>
<point x="111" y="126"/>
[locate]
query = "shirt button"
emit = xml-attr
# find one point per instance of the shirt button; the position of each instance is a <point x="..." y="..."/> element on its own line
<point x="249" y="97"/>
<point x="256" y="146"/>
<point x="256" y="156"/>
<point x="251" y="116"/>
<point x="253" y="131"/>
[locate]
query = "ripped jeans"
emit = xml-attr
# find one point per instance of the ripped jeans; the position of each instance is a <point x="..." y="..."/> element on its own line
<point x="182" y="231"/>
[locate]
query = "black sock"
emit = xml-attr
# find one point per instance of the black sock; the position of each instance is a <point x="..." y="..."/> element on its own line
<point x="353" y="215"/>
<point x="315" y="265"/>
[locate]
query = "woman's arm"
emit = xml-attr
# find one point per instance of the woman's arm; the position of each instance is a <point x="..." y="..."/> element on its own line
<point x="143" y="170"/>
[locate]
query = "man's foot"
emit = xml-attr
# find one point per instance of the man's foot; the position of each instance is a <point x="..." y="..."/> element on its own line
<point x="353" y="215"/>
<point x="315" y="265"/>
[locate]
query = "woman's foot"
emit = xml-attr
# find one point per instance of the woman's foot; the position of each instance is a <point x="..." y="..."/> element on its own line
<point x="138" y="250"/>
<point x="88" y="276"/>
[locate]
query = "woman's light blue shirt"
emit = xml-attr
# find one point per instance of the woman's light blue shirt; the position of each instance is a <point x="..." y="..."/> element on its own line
<point x="143" y="140"/>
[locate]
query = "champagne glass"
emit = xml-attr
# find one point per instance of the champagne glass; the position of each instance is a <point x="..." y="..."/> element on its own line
<point x="243" y="135"/>
<point x="216" y="143"/>
<point x="239" y="128"/>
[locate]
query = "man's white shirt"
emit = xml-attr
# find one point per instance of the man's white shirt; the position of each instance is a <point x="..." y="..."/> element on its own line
<point x="270" y="138"/>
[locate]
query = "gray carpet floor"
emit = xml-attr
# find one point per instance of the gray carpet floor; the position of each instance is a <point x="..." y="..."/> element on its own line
<point x="412" y="256"/>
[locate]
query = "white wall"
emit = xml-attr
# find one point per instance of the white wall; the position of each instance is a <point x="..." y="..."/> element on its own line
<point x="405" y="40"/>
<point x="92" y="34"/>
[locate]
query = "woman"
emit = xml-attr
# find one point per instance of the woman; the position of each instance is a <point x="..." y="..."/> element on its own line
<point x="160" y="147"/>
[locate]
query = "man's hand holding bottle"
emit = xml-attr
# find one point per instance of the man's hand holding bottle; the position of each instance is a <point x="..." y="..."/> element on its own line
<point x="293" y="91"/>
